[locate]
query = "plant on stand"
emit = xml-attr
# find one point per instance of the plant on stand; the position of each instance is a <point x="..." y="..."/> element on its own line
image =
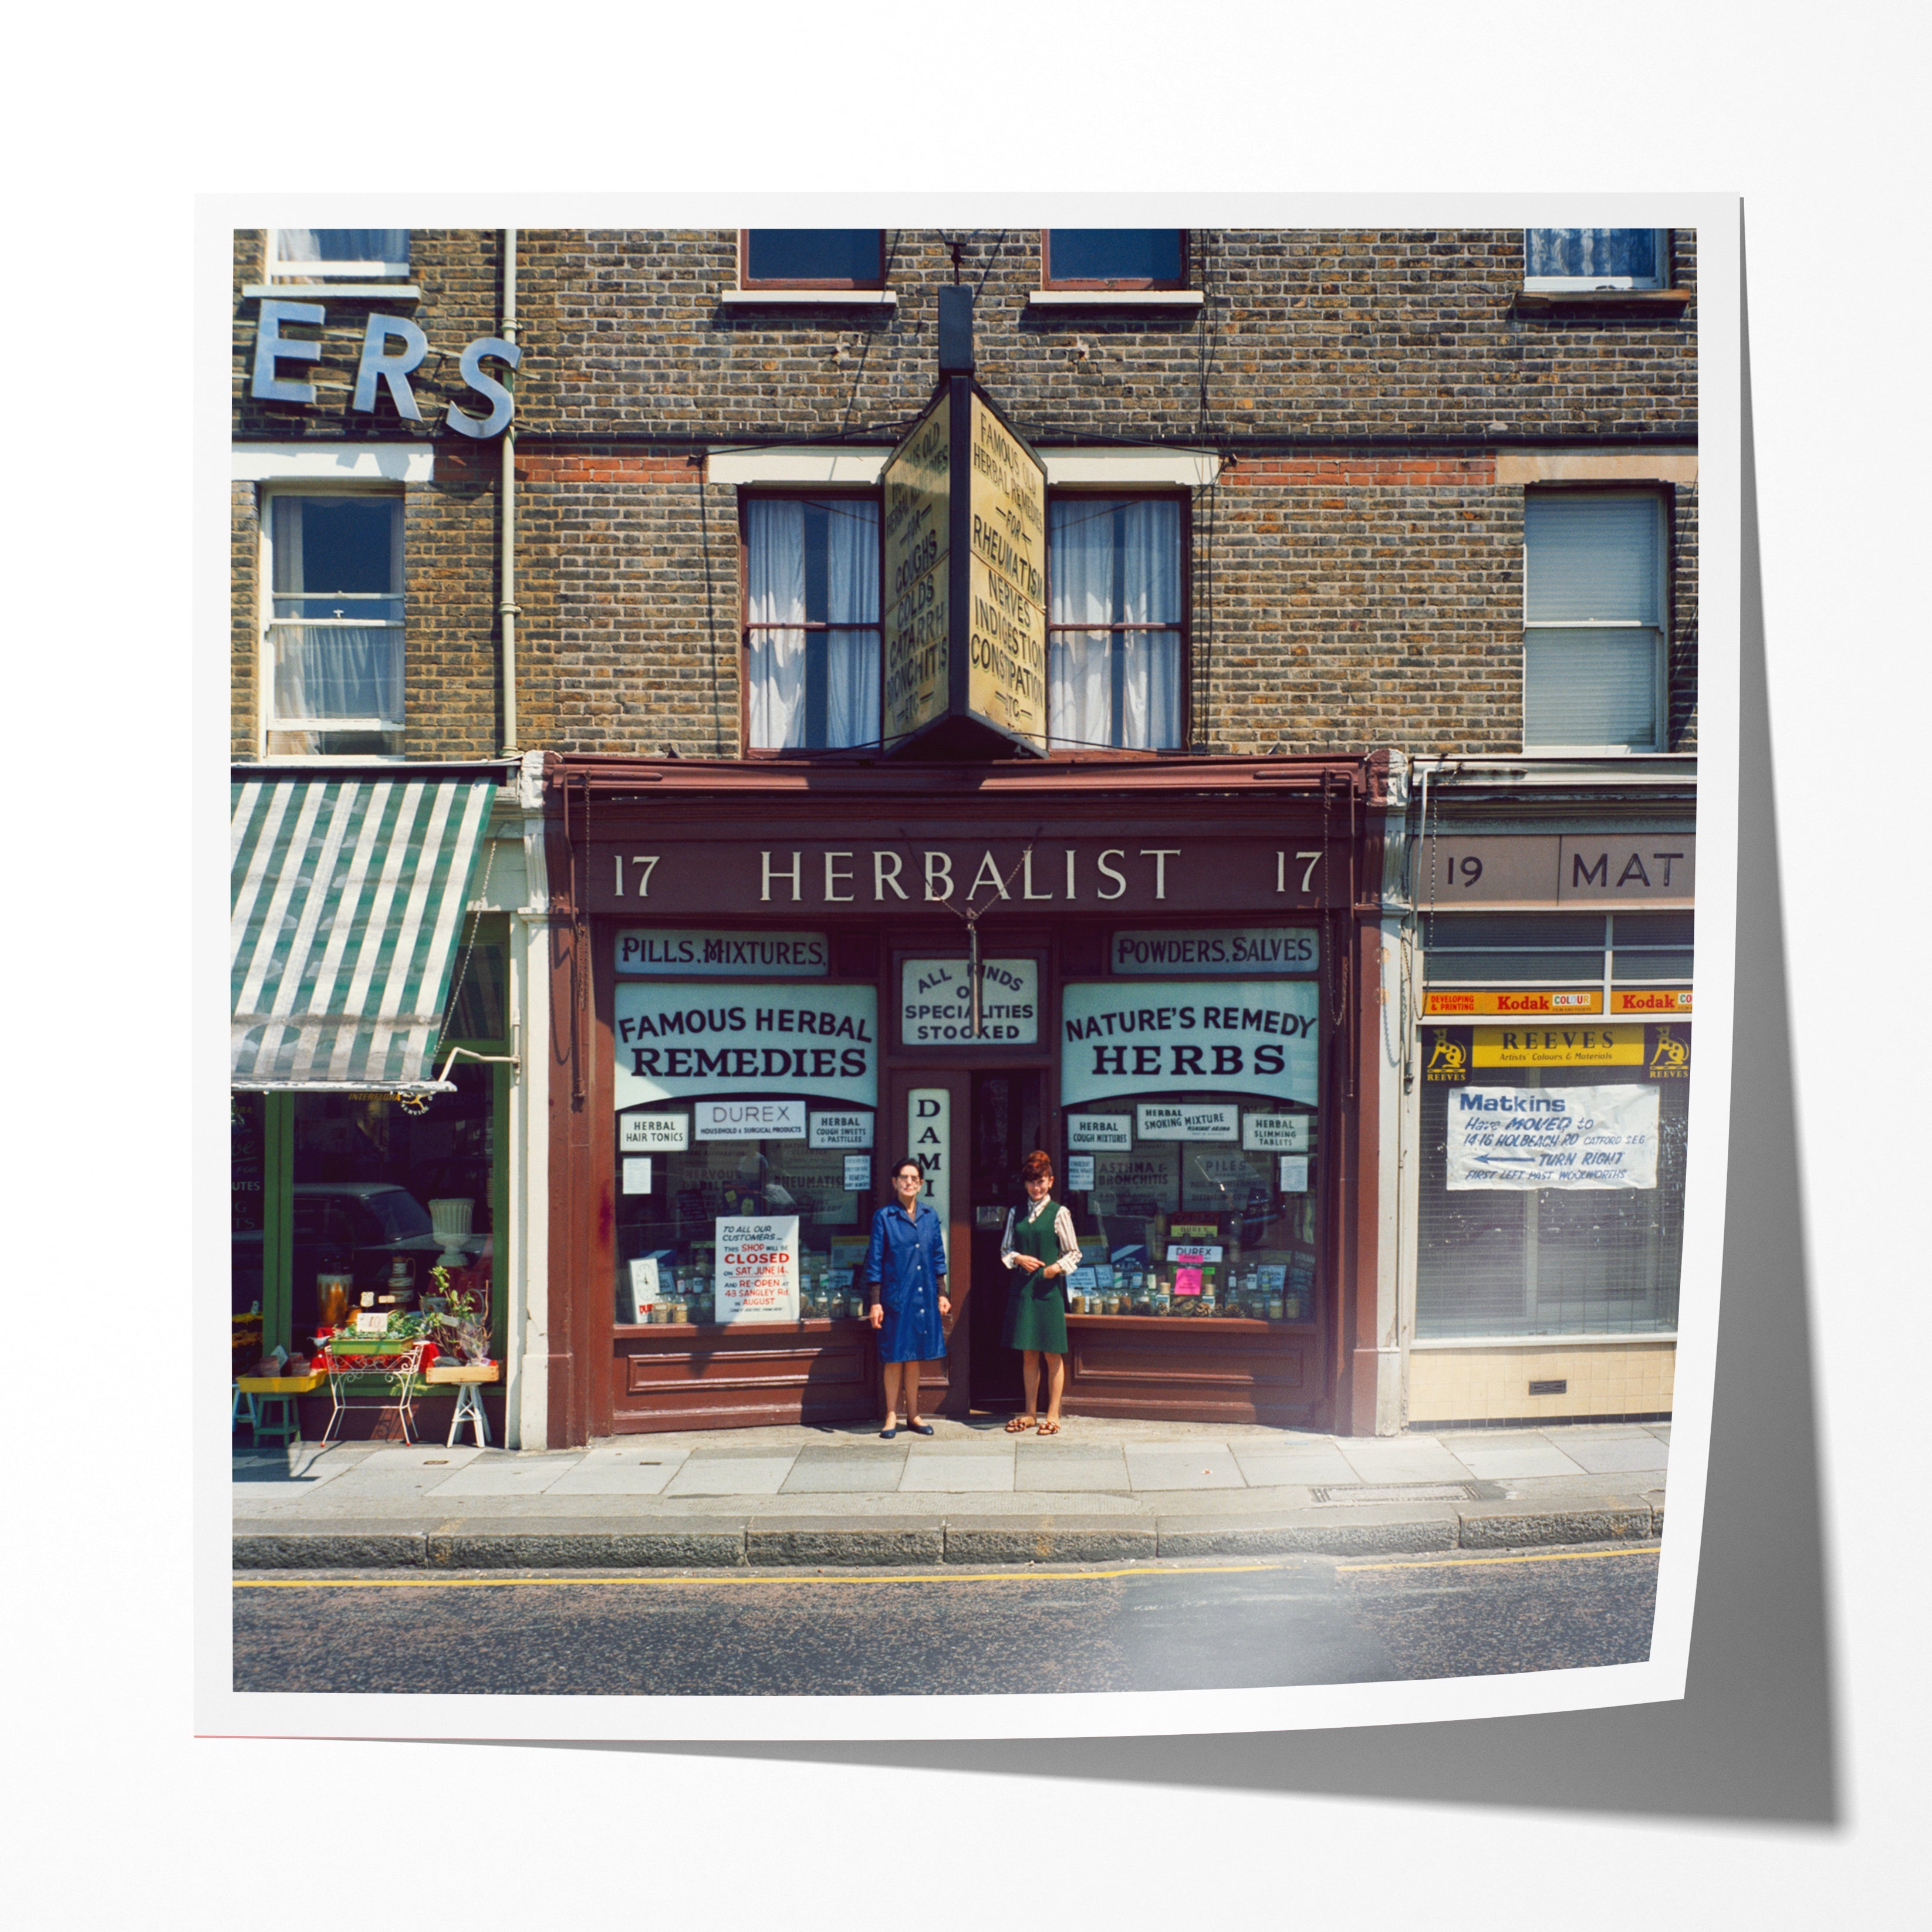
<point x="458" y="1320"/>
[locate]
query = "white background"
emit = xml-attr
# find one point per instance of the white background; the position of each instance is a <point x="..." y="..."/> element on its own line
<point x="127" y="1819"/>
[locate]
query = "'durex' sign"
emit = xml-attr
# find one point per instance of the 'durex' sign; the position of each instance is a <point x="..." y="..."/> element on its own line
<point x="379" y="364"/>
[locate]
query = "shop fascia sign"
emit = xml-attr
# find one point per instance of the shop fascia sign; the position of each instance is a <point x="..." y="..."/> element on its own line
<point x="964" y="541"/>
<point x="727" y="876"/>
<point x="379" y="364"/>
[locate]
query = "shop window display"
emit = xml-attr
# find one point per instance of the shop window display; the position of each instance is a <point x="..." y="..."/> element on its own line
<point x="1224" y="1227"/>
<point x="666" y="1236"/>
<point x="382" y="1194"/>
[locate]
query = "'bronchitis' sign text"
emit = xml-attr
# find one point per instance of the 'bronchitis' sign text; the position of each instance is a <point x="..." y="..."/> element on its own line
<point x="673" y="1041"/>
<point x="1179" y="1036"/>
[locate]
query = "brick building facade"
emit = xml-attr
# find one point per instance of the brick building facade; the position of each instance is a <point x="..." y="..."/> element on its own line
<point x="1353" y="426"/>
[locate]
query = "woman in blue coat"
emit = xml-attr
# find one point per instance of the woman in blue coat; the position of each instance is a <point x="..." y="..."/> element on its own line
<point x="905" y="1277"/>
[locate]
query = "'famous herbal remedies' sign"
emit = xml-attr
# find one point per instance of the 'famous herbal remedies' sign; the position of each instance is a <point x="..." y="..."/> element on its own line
<point x="757" y="1269"/>
<point x="1526" y="1137"/>
<point x="737" y="1037"/>
<point x="1189" y="1036"/>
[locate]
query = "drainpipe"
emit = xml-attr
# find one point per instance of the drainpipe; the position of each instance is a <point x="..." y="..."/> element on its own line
<point x="506" y="610"/>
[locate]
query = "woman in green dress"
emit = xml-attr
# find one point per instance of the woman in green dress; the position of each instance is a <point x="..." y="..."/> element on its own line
<point x="1038" y="1247"/>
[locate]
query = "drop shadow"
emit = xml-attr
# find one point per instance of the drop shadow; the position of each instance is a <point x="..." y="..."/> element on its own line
<point x="1756" y="1738"/>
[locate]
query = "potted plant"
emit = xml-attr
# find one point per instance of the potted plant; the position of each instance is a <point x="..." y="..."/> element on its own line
<point x="457" y="1319"/>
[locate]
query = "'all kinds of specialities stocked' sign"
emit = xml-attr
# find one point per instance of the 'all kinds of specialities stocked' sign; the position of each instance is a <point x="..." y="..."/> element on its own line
<point x="936" y="1002"/>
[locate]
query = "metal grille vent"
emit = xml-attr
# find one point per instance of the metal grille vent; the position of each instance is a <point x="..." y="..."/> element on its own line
<point x="1394" y="1493"/>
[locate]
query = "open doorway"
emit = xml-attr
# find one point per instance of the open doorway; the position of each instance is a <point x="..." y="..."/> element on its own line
<point x="1005" y="1126"/>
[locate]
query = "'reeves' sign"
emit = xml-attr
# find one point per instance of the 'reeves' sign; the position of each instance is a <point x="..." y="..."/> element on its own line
<point x="379" y="364"/>
<point x="1128" y="874"/>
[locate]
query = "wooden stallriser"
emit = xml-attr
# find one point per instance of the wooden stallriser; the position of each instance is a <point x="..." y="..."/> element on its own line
<point x="689" y="1377"/>
<point x="1211" y="1371"/>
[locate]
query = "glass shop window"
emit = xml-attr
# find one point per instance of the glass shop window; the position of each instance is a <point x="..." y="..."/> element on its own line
<point x="666" y="1232"/>
<point x="334" y="636"/>
<point x="1226" y="1226"/>
<point x="811" y="621"/>
<point x="383" y="1195"/>
<point x="1551" y="1261"/>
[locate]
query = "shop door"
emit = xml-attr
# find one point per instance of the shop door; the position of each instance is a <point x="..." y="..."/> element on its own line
<point x="1005" y="1126"/>
<point x="927" y="1116"/>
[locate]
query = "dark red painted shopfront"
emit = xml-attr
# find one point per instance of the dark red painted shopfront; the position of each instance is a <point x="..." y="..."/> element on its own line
<point x="1174" y="959"/>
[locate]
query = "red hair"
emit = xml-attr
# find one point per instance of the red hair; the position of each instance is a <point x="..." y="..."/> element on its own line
<point x="1038" y="1166"/>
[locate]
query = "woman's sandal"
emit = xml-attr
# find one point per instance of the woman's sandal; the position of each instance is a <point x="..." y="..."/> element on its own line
<point x="1049" y="1429"/>
<point x="1018" y="1425"/>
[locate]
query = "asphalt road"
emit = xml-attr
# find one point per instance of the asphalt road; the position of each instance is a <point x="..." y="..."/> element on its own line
<point x="1292" y="1620"/>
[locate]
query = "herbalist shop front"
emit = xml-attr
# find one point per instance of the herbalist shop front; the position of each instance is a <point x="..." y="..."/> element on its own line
<point x="765" y="983"/>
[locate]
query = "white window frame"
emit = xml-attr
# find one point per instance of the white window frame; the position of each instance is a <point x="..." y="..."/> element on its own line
<point x="1609" y="284"/>
<point x="267" y="722"/>
<point x="280" y="270"/>
<point x="1585" y="626"/>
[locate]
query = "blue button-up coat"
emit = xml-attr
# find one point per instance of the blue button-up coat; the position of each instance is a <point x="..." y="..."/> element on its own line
<point x="906" y="1267"/>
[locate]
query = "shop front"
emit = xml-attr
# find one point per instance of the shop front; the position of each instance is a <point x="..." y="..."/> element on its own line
<point x="1550" y="1102"/>
<point x="782" y="979"/>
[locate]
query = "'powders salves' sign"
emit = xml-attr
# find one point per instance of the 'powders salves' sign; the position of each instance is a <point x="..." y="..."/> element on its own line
<point x="673" y="1042"/>
<point x="1189" y="1036"/>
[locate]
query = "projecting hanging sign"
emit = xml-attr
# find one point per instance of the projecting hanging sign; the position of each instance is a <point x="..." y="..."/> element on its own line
<point x="965" y="570"/>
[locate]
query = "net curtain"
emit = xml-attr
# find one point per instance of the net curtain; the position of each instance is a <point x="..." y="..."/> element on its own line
<point x="1115" y="561"/>
<point x="333" y="670"/>
<point x="781" y="656"/>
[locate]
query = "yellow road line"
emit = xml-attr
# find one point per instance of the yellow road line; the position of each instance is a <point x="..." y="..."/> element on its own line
<point x="794" y="1577"/>
<point x="1462" y="1562"/>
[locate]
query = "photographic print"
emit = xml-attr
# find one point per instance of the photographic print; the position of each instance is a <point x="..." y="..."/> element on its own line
<point x="979" y="975"/>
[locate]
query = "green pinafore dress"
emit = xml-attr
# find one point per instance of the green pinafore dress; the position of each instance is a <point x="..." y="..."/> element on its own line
<point x="1036" y="1302"/>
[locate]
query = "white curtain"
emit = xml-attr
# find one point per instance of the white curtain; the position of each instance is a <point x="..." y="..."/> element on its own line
<point x="782" y="657"/>
<point x="1115" y="561"/>
<point x="343" y="244"/>
<point x="775" y="595"/>
<point x="852" y="597"/>
<point x="332" y="670"/>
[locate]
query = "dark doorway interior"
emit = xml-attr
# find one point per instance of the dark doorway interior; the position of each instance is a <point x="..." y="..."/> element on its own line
<point x="1006" y="1127"/>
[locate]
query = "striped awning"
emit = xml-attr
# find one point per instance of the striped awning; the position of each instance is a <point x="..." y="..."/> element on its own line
<point x="346" y="900"/>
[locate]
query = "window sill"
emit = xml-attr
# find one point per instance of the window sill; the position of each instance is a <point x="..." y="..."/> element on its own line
<point x="809" y="298"/>
<point x="1115" y="298"/>
<point x="1605" y="304"/>
<point x="1596" y="1339"/>
<point x="318" y="291"/>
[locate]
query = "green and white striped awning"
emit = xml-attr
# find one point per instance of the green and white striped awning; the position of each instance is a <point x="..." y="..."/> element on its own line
<point x="347" y="898"/>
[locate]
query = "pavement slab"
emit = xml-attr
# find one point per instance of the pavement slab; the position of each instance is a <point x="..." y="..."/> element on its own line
<point x="1401" y="1459"/>
<point x="1203" y="1465"/>
<point x="935" y="1472"/>
<point x="1494" y="1458"/>
<point x="1262" y="1463"/>
<point x="507" y="1476"/>
<point x="846" y="1472"/>
<point x="1610" y="1455"/>
<point x="1071" y="1469"/>
<point x="708" y="1475"/>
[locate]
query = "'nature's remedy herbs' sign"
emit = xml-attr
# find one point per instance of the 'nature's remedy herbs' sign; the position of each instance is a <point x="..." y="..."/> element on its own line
<point x="672" y="1042"/>
<point x="1189" y="1036"/>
